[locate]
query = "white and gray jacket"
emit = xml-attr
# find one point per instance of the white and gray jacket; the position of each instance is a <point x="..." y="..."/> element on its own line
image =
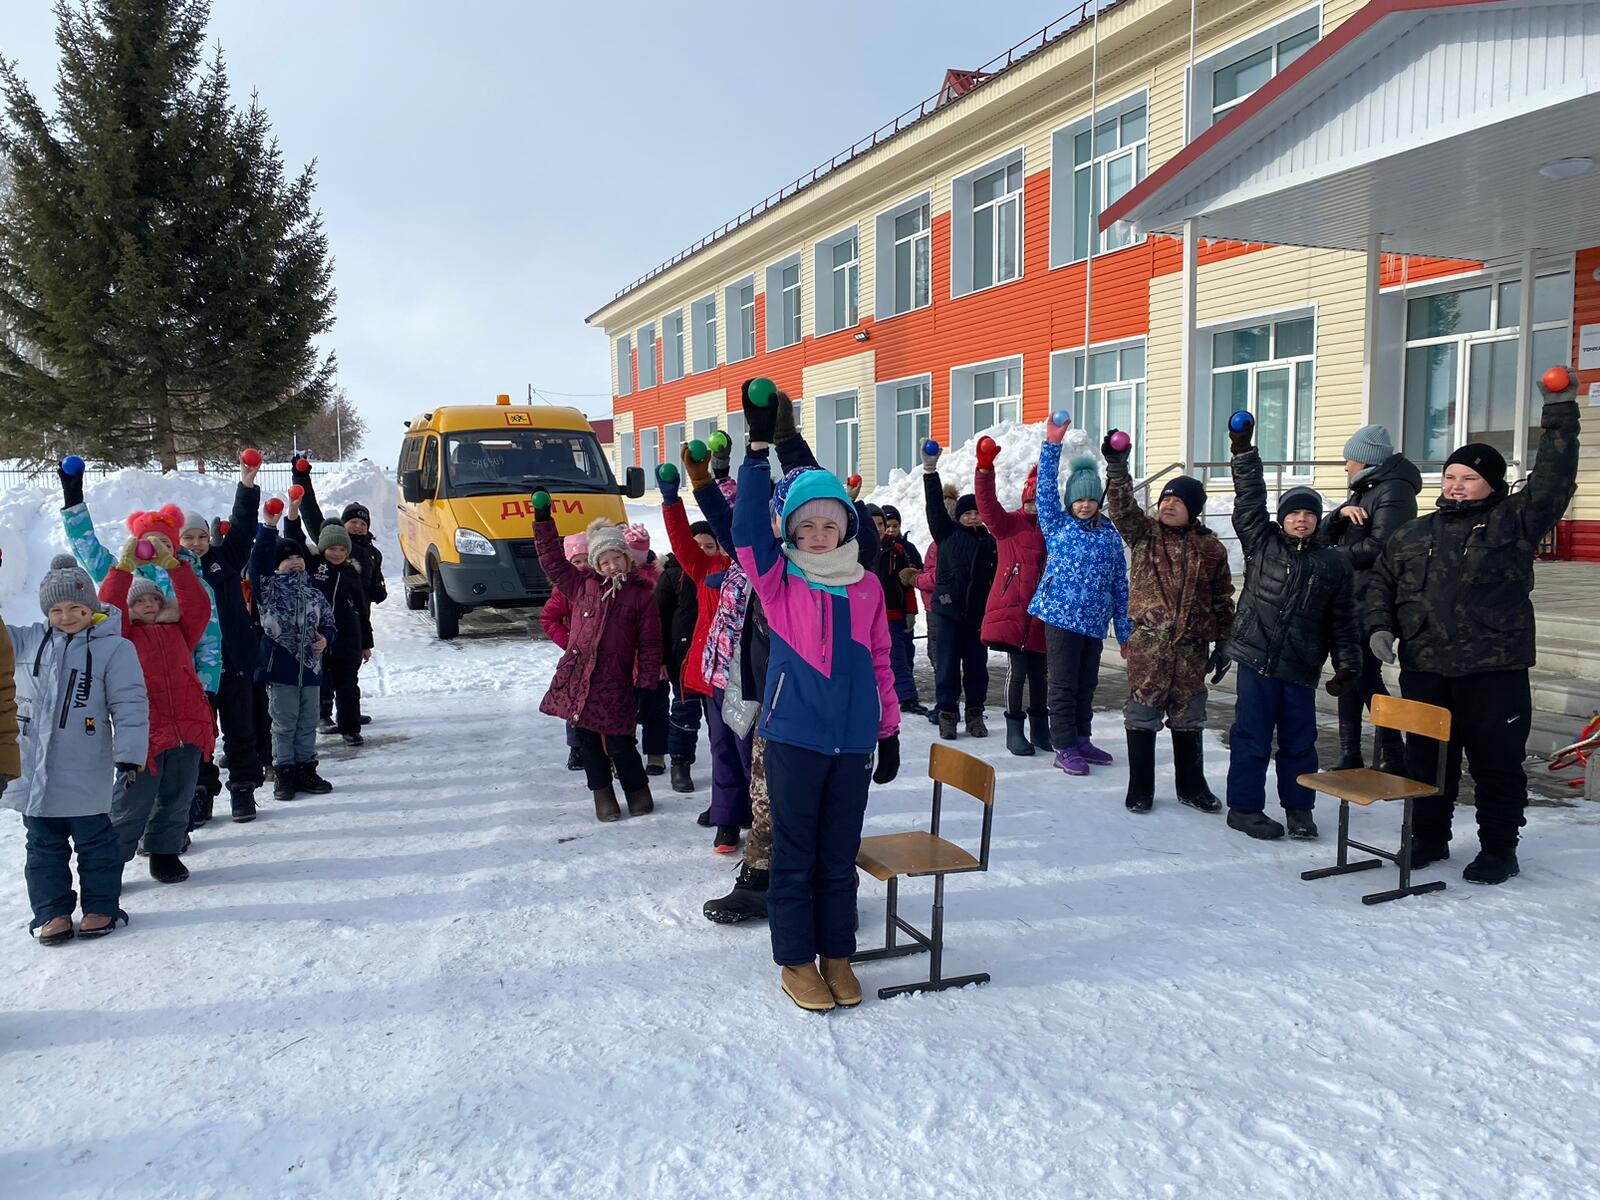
<point x="81" y="709"/>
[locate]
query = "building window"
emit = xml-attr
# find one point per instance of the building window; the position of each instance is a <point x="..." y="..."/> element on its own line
<point x="740" y="301"/>
<point x="905" y="257"/>
<point x="1107" y="155"/>
<point x="647" y="357"/>
<point x="783" y="314"/>
<point x="672" y="346"/>
<point x="624" y="365"/>
<point x="838" y="271"/>
<point x="986" y="225"/>
<point x="649" y="453"/>
<point x="983" y="395"/>
<point x="703" y="319"/>
<point x="843" y="412"/>
<point x="705" y="427"/>
<point x="674" y="443"/>
<point x="625" y="451"/>
<point x="1267" y="369"/>
<point x="1111" y="397"/>
<point x="1232" y="75"/>
<point x="1461" y="364"/>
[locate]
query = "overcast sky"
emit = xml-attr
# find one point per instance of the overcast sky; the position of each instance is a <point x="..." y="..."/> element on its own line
<point x="491" y="171"/>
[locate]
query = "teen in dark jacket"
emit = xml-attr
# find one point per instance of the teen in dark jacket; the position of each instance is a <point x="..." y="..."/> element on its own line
<point x="1454" y="587"/>
<point x="967" y="562"/>
<point x="678" y="601"/>
<point x="1294" y="609"/>
<point x="1383" y="498"/>
<point x="897" y="566"/>
<point x="335" y="573"/>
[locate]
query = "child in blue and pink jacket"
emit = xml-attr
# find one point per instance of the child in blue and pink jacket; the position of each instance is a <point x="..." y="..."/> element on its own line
<point x="829" y="705"/>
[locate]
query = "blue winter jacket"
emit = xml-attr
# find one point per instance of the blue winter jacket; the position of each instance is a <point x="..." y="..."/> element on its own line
<point x="1085" y="582"/>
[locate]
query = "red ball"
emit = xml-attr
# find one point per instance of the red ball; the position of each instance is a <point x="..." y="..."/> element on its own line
<point x="1557" y="379"/>
<point x="251" y="459"/>
<point x="854" y="481"/>
<point x="274" y="506"/>
<point x="303" y="465"/>
<point x="296" y="492"/>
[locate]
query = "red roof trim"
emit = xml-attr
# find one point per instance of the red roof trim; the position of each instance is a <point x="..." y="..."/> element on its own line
<point x="1326" y="48"/>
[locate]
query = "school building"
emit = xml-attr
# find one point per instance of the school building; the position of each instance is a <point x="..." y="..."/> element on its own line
<point x="1160" y="212"/>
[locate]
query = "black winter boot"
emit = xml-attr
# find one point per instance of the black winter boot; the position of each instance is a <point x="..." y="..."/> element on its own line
<point x="208" y="808"/>
<point x="574" y="760"/>
<point x="727" y="839"/>
<point x="1300" y="823"/>
<point x="1016" y="740"/>
<point x="947" y="726"/>
<point x="285" y="783"/>
<point x="242" y="804"/>
<point x="682" y="781"/>
<point x="1425" y="851"/>
<point x="1493" y="865"/>
<point x="168" y="868"/>
<point x="1349" y="746"/>
<point x="1039" y="730"/>
<point x="1188" y="760"/>
<point x="1141" y="770"/>
<point x="311" y="782"/>
<point x="747" y="901"/>
<point x="656" y="765"/>
<point x="975" y="725"/>
<point x="1392" y="752"/>
<point x="1256" y="824"/>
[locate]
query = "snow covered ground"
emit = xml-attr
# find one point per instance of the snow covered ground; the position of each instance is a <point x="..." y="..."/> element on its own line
<point x="445" y="979"/>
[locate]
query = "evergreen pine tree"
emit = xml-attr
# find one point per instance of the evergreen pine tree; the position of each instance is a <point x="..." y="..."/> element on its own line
<point x="161" y="280"/>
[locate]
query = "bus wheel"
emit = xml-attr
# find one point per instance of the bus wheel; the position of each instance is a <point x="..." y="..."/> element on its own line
<point x="446" y="612"/>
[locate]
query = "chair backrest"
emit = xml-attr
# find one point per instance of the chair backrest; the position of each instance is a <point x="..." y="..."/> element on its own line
<point x="1411" y="716"/>
<point x="962" y="771"/>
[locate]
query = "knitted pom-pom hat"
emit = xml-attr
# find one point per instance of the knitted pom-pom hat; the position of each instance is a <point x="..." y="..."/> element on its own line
<point x="168" y="521"/>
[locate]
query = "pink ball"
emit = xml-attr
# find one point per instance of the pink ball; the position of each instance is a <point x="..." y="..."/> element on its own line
<point x="1120" y="441"/>
<point x="144" y="551"/>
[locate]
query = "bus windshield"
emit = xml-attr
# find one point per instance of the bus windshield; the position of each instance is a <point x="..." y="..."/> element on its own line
<point x="512" y="460"/>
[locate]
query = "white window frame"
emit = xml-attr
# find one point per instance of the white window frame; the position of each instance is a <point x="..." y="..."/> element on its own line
<point x="649" y="452"/>
<point x="1200" y="111"/>
<point x="1065" y="170"/>
<point x="1089" y="402"/>
<point x="1214" y="447"/>
<point x="964" y="421"/>
<point x="703" y="323"/>
<point x="965" y="211"/>
<point x="829" y="424"/>
<point x="674" y="442"/>
<point x="733" y="301"/>
<point x="887" y="414"/>
<point x="624" y="365"/>
<point x="919" y="242"/>
<point x="672" y="348"/>
<point x="704" y="427"/>
<point x="784" y="329"/>
<point x="825" y="320"/>
<point x="645" y="347"/>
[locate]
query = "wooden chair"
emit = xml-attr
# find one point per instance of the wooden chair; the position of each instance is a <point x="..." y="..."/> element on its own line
<point x="1365" y="786"/>
<point x="893" y="855"/>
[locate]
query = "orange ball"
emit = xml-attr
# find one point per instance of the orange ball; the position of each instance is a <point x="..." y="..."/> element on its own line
<point x="1557" y="379"/>
<point x="296" y="492"/>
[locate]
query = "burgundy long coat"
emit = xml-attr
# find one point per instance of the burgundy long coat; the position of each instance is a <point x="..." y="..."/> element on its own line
<point x="613" y="647"/>
<point x="1007" y="623"/>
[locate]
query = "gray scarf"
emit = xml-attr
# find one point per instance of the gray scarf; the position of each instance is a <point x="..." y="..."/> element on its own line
<point x="834" y="569"/>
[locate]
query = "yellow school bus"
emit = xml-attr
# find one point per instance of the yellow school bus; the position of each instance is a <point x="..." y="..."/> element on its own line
<point x="465" y="517"/>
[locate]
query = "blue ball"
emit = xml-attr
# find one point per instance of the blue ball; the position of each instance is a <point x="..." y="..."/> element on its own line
<point x="930" y="447"/>
<point x="72" y="465"/>
<point x="1241" y="421"/>
<point x="1061" y="416"/>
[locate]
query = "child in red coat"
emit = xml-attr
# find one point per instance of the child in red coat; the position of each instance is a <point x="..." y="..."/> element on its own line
<point x="154" y="803"/>
<point x="555" y="618"/>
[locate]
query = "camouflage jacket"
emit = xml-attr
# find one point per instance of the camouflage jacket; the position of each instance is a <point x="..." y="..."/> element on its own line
<point x="1455" y="586"/>
<point x="1178" y="579"/>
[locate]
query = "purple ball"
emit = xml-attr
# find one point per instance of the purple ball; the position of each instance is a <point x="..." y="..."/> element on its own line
<point x="1120" y="441"/>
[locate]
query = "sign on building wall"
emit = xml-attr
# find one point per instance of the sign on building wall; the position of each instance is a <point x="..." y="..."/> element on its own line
<point x="1589" y="347"/>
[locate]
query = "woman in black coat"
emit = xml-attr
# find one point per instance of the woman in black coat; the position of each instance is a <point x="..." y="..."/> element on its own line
<point x="1383" y="497"/>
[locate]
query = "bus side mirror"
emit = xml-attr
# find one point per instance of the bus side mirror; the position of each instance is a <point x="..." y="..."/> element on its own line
<point x="411" y="486"/>
<point x="634" y="489"/>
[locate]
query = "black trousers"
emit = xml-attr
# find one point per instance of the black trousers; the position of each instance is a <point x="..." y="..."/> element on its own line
<point x="1489" y="717"/>
<point x="1074" y="676"/>
<point x="261" y="713"/>
<point x="600" y="750"/>
<point x="235" y="703"/>
<point x="962" y="665"/>
<point x="1368" y="684"/>
<point x="1027" y="672"/>
<point x="655" y="720"/>
<point x="341" y="684"/>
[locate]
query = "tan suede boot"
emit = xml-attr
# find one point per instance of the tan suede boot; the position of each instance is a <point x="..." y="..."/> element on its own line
<point x="605" y="804"/>
<point x="641" y="802"/>
<point x="804" y="985"/>
<point x="842" y="982"/>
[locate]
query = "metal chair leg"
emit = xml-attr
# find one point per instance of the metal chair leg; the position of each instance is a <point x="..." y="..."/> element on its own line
<point x="892" y="924"/>
<point x="1343" y="865"/>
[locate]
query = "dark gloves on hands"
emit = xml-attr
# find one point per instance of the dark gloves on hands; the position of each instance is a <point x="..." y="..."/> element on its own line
<point x="667" y="481"/>
<point x="541" y="506"/>
<point x="1341" y="681"/>
<point x="888" y="759"/>
<point x="759" y="399"/>
<point x="1218" y="664"/>
<point x="1110" y="451"/>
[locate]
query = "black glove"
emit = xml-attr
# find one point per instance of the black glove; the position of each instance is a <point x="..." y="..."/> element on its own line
<point x="785" y="428"/>
<point x="759" y="399"/>
<point x="130" y="768"/>
<point x="1241" y="441"/>
<point x="1111" y="455"/>
<point x="1218" y="664"/>
<point x="888" y="759"/>
<point x="721" y="447"/>
<point x="299" y="475"/>
<point x="541" y="506"/>
<point x="1341" y="681"/>
<point x="71" y="488"/>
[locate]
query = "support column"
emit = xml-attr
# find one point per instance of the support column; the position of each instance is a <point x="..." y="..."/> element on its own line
<point x="1369" y="334"/>
<point x="1519" y="444"/>
<point x="1187" y="392"/>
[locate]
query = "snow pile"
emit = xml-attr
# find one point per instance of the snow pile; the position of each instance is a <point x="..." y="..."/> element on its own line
<point x="30" y="516"/>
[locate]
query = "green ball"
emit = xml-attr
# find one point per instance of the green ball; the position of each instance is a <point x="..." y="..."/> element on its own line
<point x="762" y="391"/>
<point x="667" y="473"/>
<point x="541" y="501"/>
<point x="720" y="443"/>
<point x="698" y="452"/>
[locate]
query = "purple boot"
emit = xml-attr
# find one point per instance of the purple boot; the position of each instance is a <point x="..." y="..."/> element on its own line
<point x="1090" y="753"/>
<point x="1071" y="762"/>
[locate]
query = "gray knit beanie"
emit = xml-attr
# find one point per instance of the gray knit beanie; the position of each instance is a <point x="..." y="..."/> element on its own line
<point x="1370" y="445"/>
<point x="1084" y="482"/>
<point x="64" y="581"/>
<point x="193" y="520"/>
<point x="604" y="536"/>
<point x="142" y="587"/>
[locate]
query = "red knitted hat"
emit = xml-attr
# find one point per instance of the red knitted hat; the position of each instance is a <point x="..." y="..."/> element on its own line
<point x="1030" y="489"/>
<point x="168" y="522"/>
